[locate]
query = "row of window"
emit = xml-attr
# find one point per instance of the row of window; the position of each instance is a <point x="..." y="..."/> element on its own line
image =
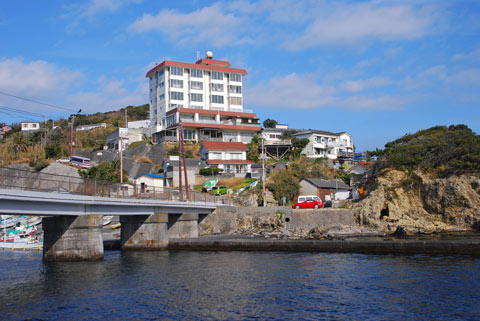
<point x="216" y="99"/>
<point x="198" y="73"/>
<point x="177" y="83"/>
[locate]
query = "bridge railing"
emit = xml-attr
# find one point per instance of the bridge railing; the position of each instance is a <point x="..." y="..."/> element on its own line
<point x="18" y="178"/>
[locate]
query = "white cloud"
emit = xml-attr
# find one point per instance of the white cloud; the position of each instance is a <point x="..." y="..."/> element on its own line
<point x="295" y="91"/>
<point x="290" y="92"/>
<point x="352" y="24"/>
<point x="473" y="55"/>
<point x="363" y="84"/>
<point x="208" y="24"/>
<point x="35" y="78"/>
<point x="468" y="77"/>
<point x="110" y="95"/>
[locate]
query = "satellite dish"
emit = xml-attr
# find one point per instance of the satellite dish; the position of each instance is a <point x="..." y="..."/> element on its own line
<point x="209" y="54"/>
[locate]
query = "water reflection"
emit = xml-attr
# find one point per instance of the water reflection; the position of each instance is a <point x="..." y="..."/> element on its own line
<point x="240" y="285"/>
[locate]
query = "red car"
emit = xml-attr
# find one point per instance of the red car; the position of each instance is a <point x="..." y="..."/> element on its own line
<point x="308" y="204"/>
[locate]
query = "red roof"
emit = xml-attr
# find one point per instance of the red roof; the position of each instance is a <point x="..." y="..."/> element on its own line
<point x="225" y="146"/>
<point x="222" y="126"/>
<point x="230" y="161"/>
<point x="197" y="66"/>
<point x="206" y="61"/>
<point x="211" y="112"/>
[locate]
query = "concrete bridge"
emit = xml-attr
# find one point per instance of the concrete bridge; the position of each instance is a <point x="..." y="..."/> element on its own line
<point x="72" y="223"/>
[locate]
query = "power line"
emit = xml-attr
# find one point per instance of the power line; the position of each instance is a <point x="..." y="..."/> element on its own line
<point x="15" y="110"/>
<point x="38" y="102"/>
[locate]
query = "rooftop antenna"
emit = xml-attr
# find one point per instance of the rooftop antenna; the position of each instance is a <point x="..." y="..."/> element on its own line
<point x="198" y="55"/>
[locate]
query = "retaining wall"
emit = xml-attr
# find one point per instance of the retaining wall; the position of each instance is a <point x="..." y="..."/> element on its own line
<point x="229" y="219"/>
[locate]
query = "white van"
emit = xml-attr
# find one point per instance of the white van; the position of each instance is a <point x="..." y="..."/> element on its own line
<point x="305" y="198"/>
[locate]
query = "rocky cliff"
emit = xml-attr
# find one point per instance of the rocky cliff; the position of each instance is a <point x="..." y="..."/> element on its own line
<point x="402" y="203"/>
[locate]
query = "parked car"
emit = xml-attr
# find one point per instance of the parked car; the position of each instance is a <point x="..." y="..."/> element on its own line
<point x="219" y="190"/>
<point x="308" y="204"/>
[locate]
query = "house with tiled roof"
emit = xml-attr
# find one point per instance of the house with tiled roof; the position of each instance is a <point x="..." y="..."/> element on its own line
<point x="325" y="144"/>
<point x="229" y="156"/>
<point x="204" y="98"/>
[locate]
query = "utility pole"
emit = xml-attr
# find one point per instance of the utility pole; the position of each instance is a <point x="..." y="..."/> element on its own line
<point x="263" y="173"/>
<point x="184" y="161"/>
<point x="71" y="137"/>
<point x="45" y="123"/>
<point x="121" y="155"/>
<point x="180" y="188"/>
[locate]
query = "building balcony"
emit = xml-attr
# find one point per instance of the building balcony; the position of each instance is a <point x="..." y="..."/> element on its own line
<point x="277" y="142"/>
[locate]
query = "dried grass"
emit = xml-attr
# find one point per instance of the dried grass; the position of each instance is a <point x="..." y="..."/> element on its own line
<point x="143" y="159"/>
<point x="233" y="181"/>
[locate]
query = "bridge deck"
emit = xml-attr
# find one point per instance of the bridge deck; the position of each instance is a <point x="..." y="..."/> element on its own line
<point x="21" y="202"/>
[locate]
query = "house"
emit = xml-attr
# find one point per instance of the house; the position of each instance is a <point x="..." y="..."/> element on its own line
<point x="149" y="183"/>
<point x="29" y="127"/>
<point x="275" y="146"/>
<point x="170" y="170"/>
<point x="87" y="128"/>
<point x="122" y="137"/>
<point x="325" y="189"/>
<point x="324" y="144"/>
<point x="5" y="129"/>
<point x="229" y="156"/>
<point x="204" y="98"/>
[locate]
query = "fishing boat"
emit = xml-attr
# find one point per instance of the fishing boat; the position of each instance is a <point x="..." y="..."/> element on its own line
<point x="21" y="237"/>
<point x="107" y="219"/>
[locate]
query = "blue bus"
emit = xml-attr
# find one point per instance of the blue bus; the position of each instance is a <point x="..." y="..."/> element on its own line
<point x="79" y="161"/>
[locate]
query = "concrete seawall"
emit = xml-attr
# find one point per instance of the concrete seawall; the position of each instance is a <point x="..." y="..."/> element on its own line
<point x="225" y="243"/>
<point x="230" y="219"/>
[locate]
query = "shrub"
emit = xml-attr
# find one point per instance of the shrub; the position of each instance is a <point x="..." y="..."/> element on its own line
<point x="210" y="171"/>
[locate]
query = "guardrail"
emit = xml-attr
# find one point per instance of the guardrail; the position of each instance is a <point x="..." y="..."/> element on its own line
<point x="11" y="178"/>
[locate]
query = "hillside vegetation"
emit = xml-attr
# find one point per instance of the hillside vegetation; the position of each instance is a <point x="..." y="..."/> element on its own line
<point x="440" y="150"/>
<point x="35" y="148"/>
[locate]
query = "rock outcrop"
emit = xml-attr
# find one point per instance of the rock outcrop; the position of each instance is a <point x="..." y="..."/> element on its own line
<point x="416" y="203"/>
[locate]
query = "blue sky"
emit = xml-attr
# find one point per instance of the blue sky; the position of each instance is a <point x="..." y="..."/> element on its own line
<point x="377" y="69"/>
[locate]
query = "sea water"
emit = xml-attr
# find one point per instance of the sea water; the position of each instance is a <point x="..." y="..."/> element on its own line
<point x="184" y="285"/>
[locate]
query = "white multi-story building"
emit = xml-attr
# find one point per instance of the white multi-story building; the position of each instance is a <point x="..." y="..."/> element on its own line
<point x="326" y="144"/>
<point x="206" y="97"/>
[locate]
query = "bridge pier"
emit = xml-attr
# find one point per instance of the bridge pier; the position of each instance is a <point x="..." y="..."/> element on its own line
<point x="182" y="226"/>
<point x="144" y="232"/>
<point x="72" y="238"/>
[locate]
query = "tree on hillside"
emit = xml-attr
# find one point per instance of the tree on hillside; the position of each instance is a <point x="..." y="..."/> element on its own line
<point x="252" y="153"/>
<point x="269" y="123"/>
<point x="284" y="184"/>
<point x="440" y="149"/>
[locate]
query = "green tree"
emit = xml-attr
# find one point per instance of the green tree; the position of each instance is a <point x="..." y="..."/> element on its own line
<point x="284" y="184"/>
<point x="105" y="172"/>
<point x="269" y="123"/>
<point x="20" y="143"/>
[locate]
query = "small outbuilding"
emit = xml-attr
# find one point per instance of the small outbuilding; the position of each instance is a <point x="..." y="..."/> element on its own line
<point x="148" y="183"/>
<point x="325" y="189"/>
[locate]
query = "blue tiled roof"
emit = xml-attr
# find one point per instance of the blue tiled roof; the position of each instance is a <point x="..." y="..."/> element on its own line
<point x="150" y="175"/>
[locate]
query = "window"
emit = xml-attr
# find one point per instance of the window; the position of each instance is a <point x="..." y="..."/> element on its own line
<point x="161" y="97"/>
<point x="176" y="83"/>
<point x="235" y="89"/>
<point x="235" y="100"/>
<point x="196" y="97"/>
<point x="171" y="120"/>
<point x="218" y="75"/>
<point x="217" y="87"/>
<point x="178" y="71"/>
<point x="217" y="99"/>
<point x="196" y="85"/>
<point x="176" y="95"/>
<point x="160" y="73"/>
<point x="196" y="73"/>
<point x="236" y="77"/>
<point x="189" y="134"/>
<point x="161" y="85"/>
<point x="172" y="106"/>
<point x="236" y="156"/>
<point x="214" y="155"/>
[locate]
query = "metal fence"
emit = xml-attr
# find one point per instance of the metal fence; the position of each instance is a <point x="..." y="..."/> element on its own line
<point x="14" y="178"/>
